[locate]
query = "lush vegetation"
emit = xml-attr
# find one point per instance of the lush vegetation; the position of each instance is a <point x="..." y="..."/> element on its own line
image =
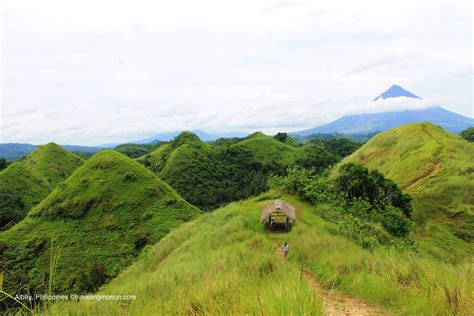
<point x="437" y="169"/>
<point x="98" y="220"/>
<point x="26" y="182"/>
<point x="225" y="263"/>
<point x="53" y="162"/>
<point x="359" y="138"/>
<point x="84" y="154"/>
<point x="21" y="188"/>
<point x="3" y="163"/>
<point x="209" y="176"/>
<point x="391" y="225"/>
<point x="136" y="150"/>
<point x="468" y="134"/>
<point x="372" y="210"/>
<point x="286" y="139"/>
<point x="341" y="147"/>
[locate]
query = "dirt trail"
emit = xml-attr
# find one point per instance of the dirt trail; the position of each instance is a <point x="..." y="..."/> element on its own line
<point x="335" y="304"/>
<point x="436" y="169"/>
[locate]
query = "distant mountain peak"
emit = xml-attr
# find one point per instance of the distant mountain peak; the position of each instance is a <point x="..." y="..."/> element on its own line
<point x="396" y="91"/>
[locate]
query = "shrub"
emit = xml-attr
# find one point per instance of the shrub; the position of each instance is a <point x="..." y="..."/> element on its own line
<point x="358" y="195"/>
<point x="356" y="181"/>
<point x="130" y="176"/>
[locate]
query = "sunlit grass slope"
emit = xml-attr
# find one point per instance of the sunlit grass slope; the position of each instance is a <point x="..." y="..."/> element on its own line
<point x="437" y="169"/>
<point x="99" y="219"/>
<point x="26" y="182"/>
<point x="53" y="162"/>
<point x="268" y="150"/>
<point x="220" y="264"/>
<point x="224" y="263"/>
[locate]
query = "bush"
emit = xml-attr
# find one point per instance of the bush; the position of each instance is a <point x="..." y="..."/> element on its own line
<point x="130" y="176"/>
<point x="295" y="182"/>
<point x="364" y="199"/>
<point x="356" y="181"/>
<point x="468" y="134"/>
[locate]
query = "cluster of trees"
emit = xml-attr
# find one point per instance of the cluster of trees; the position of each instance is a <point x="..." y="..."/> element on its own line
<point x="3" y="163"/>
<point x="213" y="178"/>
<point x="360" y="200"/>
<point x="359" y="138"/>
<point x="12" y="208"/>
<point x="340" y="147"/>
<point x="468" y="134"/>
<point x="209" y="176"/>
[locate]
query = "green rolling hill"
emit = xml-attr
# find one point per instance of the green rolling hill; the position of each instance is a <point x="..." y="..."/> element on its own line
<point x="94" y="224"/>
<point x="226" y="263"/>
<point x="21" y="188"/>
<point x="112" y="228"/>
<point x="26" y="182"/>
<point x="268" y="150"/>
<point x="53" y="162"/>
<point x="437" y="169"/>
<point x="209" y="176"/>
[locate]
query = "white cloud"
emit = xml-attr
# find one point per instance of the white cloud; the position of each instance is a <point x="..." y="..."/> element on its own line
<point x="107" y="71"/>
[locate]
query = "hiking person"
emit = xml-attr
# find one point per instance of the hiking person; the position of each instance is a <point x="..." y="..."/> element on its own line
<point x="285" y="249"/>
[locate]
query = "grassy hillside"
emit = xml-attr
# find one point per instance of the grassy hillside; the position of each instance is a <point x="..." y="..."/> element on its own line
<point x="53" y="162"/>
<point x="94" y="223"/>
<point x="226" y="263"/>
<point x="437" y="169"/>
<point x="21" y="188"/>
<point x="26" y="182"/>
<point x="268" y="150"/>
<point x="190" y="166"/>
<point x="209" y="176"/>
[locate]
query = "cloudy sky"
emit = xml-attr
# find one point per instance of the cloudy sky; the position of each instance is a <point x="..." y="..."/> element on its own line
<point x="93" y="72"/>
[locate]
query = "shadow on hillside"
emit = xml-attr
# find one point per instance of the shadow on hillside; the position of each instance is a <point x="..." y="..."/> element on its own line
<point x="277" y="229"/>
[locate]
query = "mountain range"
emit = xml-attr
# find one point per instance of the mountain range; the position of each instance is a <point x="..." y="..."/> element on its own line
<point x="362" y="124"/>
<point x="382" y="121"/>
<point x="14" y="151"/>
<point x="376" y="122"/>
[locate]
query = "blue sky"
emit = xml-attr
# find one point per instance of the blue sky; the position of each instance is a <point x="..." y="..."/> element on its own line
<point x="93" y="72"/>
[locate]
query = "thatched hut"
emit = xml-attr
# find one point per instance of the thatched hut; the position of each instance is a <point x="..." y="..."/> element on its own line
<point x="278" y="213"/>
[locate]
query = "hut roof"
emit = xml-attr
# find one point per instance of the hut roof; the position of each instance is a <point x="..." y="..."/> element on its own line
<point x="275" y="206"/>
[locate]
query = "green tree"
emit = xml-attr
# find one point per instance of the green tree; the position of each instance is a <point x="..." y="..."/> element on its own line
<point x="356" y="181"/>
<point x="3" y="163"/>
<point x="468" y="134"/>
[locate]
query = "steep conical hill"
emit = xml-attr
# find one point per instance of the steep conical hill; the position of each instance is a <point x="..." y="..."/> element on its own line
<point x="99" y="219"/>
<point x="411" y="153"/>
<point x="209" y="176"/>
<point x="269" y="151"/>
<point x="21" y="188"/>
<point x="200" y="172"/>
<point x="434" y="166"/>
<point x="53" y="162"/>
<point x="31" y="179"/>
<point x="187" y="143"/>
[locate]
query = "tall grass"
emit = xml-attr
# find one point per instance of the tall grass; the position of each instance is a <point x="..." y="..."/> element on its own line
<point x="224" y="263"/>
<point x="55" y="254"/>
<point x="401" y="281"/>
<point x="220" y="264"/>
